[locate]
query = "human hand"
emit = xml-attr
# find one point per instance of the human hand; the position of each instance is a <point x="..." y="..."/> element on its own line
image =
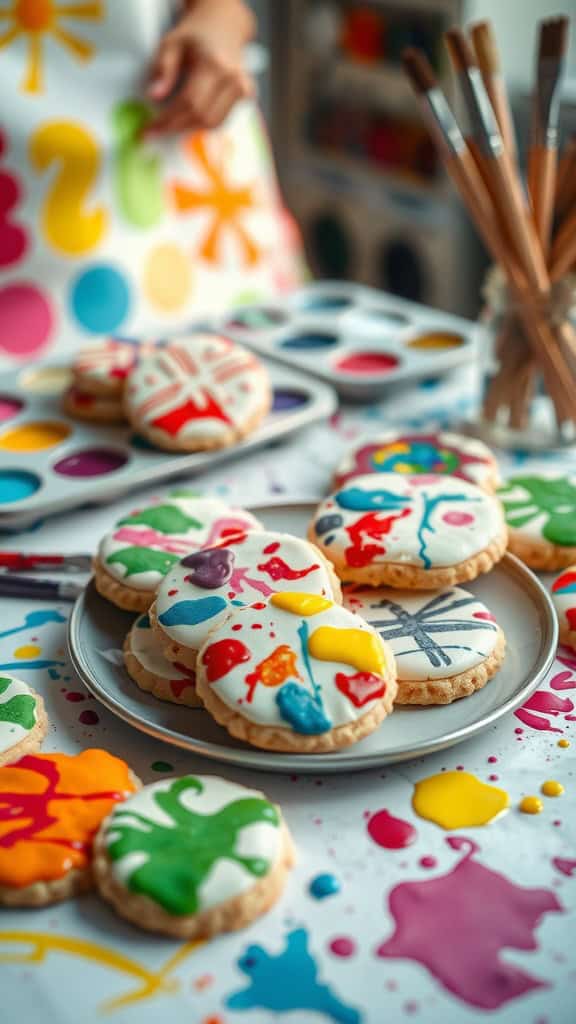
<point x="198" y="65"/>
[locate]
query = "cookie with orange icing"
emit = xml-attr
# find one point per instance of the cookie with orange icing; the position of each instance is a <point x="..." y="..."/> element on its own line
<point x="152" y="672"/>
<point x="296" y="673"/>
<point x="51" y="806"/>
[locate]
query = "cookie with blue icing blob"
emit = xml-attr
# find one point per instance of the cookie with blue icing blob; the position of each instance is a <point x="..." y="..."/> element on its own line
<point x="297" y="673"/>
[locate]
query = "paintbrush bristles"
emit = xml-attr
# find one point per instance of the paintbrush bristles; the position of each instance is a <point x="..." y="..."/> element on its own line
<point x="484" y="43"/>
<point x="459" y="49"/>
<point x="419" y="70"/>
<point x="553" y="38"/>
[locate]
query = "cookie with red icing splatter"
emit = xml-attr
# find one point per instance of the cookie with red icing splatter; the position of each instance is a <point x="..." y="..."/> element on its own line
<point x="564" y="601"/>
<point x="83" y="405"/>
<point x="51" y="807"/>
<point x="198" y="393"/>
<point x="199" y="591"/>
<point x="102" y="368"/>
<point x="150" y="670"/>
<point x="296" y="673"/>
<point x="414" y="532"/>
<point x="135" y="555"/>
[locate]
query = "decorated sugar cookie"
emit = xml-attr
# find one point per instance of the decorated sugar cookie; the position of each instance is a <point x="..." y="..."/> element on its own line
<point x="197" y="393"/>
<point x="540" y="510"/>
<point x="395" y="452"/>
<point x="199" y="592"/>
<point x="82" y="405"/>
<point x="51" y="806"/>
<point x="135" y="555"/>
<point x="23" y="721"/>
<point x="414" y="532"/>
<point x="297" y="673"/>
<point x="564" y="601"/>
<point x="150" y="670"/>
<point x="102" y="368"/>
<point x="446" y="645"/>
<point x="194" y="856"/>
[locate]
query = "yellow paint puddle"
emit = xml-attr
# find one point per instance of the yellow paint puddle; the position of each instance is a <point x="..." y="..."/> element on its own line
<point x="34" y="437"/>
<point x="438" y="340"/>
<point x="458" y="800"/>
<point x="552" y="788"/>
<point x="531" y="805"/>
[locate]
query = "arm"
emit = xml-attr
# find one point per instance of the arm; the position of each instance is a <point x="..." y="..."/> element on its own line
<point x="198" y="67"/>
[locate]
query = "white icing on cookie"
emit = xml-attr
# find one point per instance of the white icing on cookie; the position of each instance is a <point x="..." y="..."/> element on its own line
<point x="564" y="599"/>
<point x="18" y="711"/>
<point x="173" y="680"/>
<point x="106" y="362"/>
<point x="300" y="662"/>
<point x="541" y="506"/>
<point x="418" y="452"/>
<point x="201" y="387"/>
<point x="432" y="635"/>
<point x="254" y="567"/>
<point x="424" y="521"/>
<point x="142" y="547"/>
<point x="235" y="854"/>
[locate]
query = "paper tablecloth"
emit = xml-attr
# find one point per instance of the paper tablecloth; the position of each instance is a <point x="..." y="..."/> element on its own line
<point x="483" y="919"/>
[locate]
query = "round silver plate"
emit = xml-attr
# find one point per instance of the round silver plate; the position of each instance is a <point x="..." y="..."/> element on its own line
<point x="517" y="599"/>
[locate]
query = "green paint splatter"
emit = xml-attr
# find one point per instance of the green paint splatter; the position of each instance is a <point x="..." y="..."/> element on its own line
<point x="554" y="499"/>
<point x="180" y="856"/>
<point x="162" y="766"/>
<point x="19" y="710"/>
<point x="137" y="560"/>
<point x="137" y="168"/>
<point x="163" y="518"/>
<point x="185" y="492"/>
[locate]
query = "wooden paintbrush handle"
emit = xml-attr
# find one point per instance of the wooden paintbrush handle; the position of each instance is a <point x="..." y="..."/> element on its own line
<point x="542" y="165"/>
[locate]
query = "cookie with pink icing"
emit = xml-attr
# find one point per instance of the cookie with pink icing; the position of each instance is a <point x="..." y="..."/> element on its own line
<point x="564" y="600"/>
<point x="150" y="670"/>
<point x="197" y="393"/>
<point x="412" y="532"/>
<point x="198" y="592"/>
<point x="296" y="672"/>
<point x="135" y="555"/>
<point x="102" y="368"/>
<point x="425" y="452"/>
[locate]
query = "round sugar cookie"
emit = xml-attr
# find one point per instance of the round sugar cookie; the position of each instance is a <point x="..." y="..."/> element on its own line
<point x="135" y="555"/>
<point x="198" y="393"/>
<point x="446" y="645"/>
<point x="396" y="452"/>
<point x="23" y="720"/>
<point x="150" y="670"/>
<point x="296" y="673"/>
<point x="199" y="592"/>
<point x="540" y="511"/>
<point x="82" y="405"/>
<point x="411" y="532"/>
<point x="102" y="368"/>
<point x="564" y="601"/>
<point x="51" y="807"/>
<point x="194" y="856"/>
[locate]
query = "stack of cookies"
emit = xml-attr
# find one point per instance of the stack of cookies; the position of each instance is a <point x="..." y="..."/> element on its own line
<point x="193" y="394"/>
<point x="411" y="518"/>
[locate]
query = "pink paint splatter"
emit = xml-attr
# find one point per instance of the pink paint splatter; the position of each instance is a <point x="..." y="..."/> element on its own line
<point x="427" y="862"/>
<point x="88" y="718"/>
<point x="540" y="704"/>
<point x="342" y="946"/>
<point x="479" y="913"/>
<point x="564" y="865"/>
<point x="563" y="681"/>
<point x="458" y="518"/>
<point x="492" y="759"/>
<point x="389" y="832"/>
<point x="75" y="697"/>
<point x="26" y="320"/>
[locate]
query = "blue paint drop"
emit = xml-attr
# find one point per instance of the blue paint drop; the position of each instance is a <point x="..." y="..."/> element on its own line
<point x="357" y="500"/>
<point x="324" y="303"/>
<point x="323" y="886"/>
<point x="300" y="710"/>
<point x="191" y="613"/>
<point x="288" y="981"/>
<point x="100" y="299"/>
<point x="302" y="342"/>
<point x="285" y="399"/>
<point x="16" y="484"/>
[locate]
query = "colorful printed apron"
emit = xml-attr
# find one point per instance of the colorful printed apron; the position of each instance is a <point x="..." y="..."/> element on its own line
<point x="101" y="233"/>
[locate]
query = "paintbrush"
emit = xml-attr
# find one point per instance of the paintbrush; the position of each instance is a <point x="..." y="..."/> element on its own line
<point x="543" y="151"/>
<point x="42" y="590"/>
<point x="486" y="49"/>
<point x="25" y="561"/>
<point x="566" y="179"/>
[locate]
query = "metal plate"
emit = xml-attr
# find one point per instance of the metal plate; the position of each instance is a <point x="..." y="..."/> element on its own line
<point x="511" y="591"/>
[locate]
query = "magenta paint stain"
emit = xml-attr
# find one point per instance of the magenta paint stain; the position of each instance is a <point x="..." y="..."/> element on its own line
<point x="566" y="866"/>
<point x="342" y="946"/>
<point x="563" y="681"/>
<point x="367" y="363"/>
<point x="479" y="913"/>
<point x="541" y="704"/>
<point x="74" y="696"/>
<point x="428" y="862"/>
<point x="91" y="462"/>
<point x="389" y="832"/>
<point x="492" y="759"/>
<point x="88" y="718"/>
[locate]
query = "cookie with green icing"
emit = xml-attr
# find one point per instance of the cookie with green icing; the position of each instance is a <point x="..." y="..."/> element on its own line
<point x="193" y="856"/>
<point x="135" y="555"/>
<point x="23" y="721"/>
<point x="540" y="511"/>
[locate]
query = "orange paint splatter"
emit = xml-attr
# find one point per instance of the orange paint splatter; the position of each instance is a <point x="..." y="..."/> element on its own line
<point x="273" y="670"/>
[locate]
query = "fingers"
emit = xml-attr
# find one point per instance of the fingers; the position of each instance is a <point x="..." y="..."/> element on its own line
<point x="166" y="67"/>
<point x="203" y="102"/>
